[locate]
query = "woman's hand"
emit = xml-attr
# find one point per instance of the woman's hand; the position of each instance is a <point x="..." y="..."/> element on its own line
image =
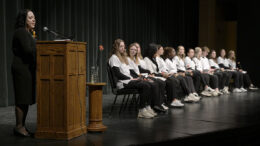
<point x="165" y="75"/>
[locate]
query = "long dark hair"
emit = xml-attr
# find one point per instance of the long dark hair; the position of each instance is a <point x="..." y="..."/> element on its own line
<point x="21" y="19"/>
<point x="152" y="49"/>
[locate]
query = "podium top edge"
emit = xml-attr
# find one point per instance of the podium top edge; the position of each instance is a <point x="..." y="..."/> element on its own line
<point x="59" y="42"/>
<point x="95" y="84"/>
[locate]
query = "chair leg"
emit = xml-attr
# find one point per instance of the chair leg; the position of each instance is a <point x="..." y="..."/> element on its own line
<point x="132" y="102"/>
<point x="122" y="104"/>
<point x="113" y="105"/>
<point x="126" y="101"/>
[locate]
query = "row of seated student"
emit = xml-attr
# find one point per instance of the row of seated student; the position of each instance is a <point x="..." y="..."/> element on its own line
<point x="163" y="74"/>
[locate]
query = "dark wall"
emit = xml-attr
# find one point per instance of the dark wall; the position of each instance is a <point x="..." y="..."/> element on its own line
<point x="248" y="37"/>
<point x="100" y="22"/>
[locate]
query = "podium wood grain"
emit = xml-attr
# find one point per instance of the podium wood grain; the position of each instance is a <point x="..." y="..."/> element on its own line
<point x="95" y="107"/>
<point x="61" y="89"/>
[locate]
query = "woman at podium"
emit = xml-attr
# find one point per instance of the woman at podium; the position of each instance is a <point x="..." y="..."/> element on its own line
<point x="23" y="68"/>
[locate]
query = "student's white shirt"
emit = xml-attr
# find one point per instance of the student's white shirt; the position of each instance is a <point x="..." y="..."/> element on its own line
<point x="232" y="64"/>
<point x="150" y="65"/>
<point x="205" y="63"/>
<point x="161" y="65"/>
<point x="133" y="65"/>
<point x="124" y="69"/>
<point x="142" y="63"/>
<point x="171" y="65"/>
<point x="198" y="63"/>
<point x="212" y="63"/>
<point x="189" y="63"/>
<point x="180" y="63"/>
<point x="223" y="61"/>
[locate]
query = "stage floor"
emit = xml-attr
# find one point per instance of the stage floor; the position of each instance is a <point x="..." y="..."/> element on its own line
<point x="227" y="119"/>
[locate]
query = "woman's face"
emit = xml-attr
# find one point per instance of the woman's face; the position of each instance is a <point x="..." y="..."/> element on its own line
<point x="181" y="50"/>
<point x="213" y="54"/>
<point x="121" y="48"/>
<point x="30" y="20"/>
<point x="138" y="48"/>
<point x="223" y="53"/>
<point x="132" y="51"/>
<point x="191" y="53"/>
<point x="160" y="51"/>
<point x="200" y="52"/>
<point x="172" y="53"/>
<point x="232" y="54"/>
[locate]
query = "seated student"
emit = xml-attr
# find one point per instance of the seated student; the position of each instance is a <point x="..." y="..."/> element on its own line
<point x="179" y="59"/>
<point x="185" y="81"/>
<point x="223" y="63"/>
<point x="156" y="101"/>
<point x="198" y="65"/>
<point x="152" y="66"/>
<point x="143" y="70"/>
<point x="215" y="78"/>
<point x="232" y="63"/>
<point x="214" y="65"/>
<point x="121" y="69"/>
<point x="190" y="66"/>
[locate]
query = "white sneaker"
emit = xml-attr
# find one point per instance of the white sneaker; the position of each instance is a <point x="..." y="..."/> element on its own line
<point x="243" y="89"/>
<point x="143" y="113"/>
<point x="225" y="90"/>
<point x="206" y="93"/>
<point x="252" y="87"/>
<point x="196" y="96"/>
<point x="177" y="103"/>
<point x="151" y="111"/>
<point x="188" y="99"/>
<point x="165" y="107"/>
<point x="220" y="92"/>
<point x="215" y="93"/>
<point x="236" y="90"/>
<point x="210" y="89"/>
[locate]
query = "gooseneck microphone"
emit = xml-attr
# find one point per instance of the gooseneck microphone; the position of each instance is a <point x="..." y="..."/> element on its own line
<point x="57" y="34"/>
<point x="47" y="30"/>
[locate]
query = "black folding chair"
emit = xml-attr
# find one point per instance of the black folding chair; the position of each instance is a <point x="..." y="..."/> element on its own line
<point x="125" y="92"/>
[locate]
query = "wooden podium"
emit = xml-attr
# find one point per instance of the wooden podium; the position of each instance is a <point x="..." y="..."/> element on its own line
<point x="61" y="89"/>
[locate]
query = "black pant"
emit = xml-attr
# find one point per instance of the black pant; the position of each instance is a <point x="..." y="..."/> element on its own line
<point x="247" y="80"/>
<point x="184" y="84"/>
<point x="229" y="76"/>
<point x="235" y="75"/>
<point x="222" y="77"/>
<point x="198" y="80"/>
<point x="241" y="80"/>
<point x="190" y="83"/>
<point x="144" y="89"/>
<point x="213" y="81"/>
<point x="158" y="96"/>
<point x="171" y="88"/>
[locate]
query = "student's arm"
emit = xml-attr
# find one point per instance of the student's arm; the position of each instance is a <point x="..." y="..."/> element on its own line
<point x="133" y="74"/>
<point x="142" y="70"/>
<point x="118" y="74"/>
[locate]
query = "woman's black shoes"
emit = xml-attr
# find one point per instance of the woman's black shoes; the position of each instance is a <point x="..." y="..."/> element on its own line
<point x="18" y="133"/>
<point x="159" y="109"/>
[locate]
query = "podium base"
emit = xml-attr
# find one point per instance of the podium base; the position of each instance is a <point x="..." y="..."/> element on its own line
<point x="96" y="128"/>
<point x="48" y="134"/>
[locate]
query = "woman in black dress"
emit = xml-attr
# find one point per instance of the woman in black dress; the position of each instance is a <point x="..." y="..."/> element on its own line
<point x="23" y="68"/>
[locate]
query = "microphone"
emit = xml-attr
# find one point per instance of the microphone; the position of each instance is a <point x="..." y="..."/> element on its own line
<point x="56" y="34"/>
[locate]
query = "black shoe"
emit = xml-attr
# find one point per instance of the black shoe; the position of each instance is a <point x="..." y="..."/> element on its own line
<point x="31" y="133"/>
<point x="159" y="109"/>
<point x="18" y="133"/>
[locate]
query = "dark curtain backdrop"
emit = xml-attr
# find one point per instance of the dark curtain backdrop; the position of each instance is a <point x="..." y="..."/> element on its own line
<point x="248" y="31"/>
<point x="100" y="22"/>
